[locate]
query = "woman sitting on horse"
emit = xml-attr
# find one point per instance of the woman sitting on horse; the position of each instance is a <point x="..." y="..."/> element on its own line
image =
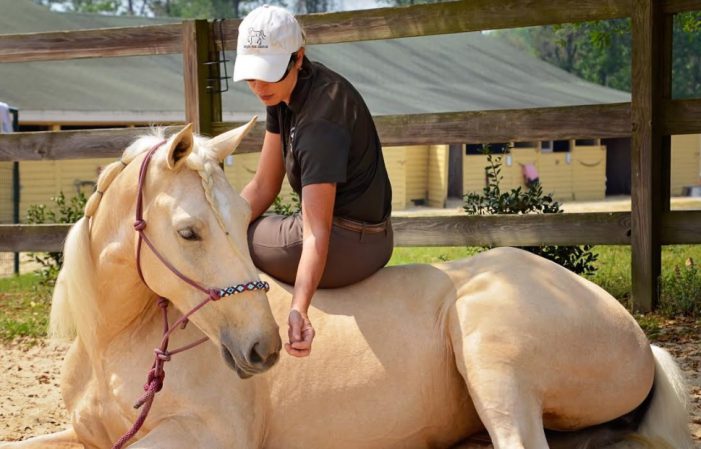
<point x="319" y="133"/>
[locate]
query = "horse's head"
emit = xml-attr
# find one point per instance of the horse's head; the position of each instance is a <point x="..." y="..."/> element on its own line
<point x="198" y="224"/>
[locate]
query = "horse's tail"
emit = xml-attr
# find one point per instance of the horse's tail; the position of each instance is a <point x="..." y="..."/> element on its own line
<point x="666" y="424"/>
<point x="660" y="422"/>
<point x="62" y="323"/>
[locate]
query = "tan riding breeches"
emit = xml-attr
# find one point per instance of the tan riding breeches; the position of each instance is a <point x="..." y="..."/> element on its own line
<point x="356" y="249"/>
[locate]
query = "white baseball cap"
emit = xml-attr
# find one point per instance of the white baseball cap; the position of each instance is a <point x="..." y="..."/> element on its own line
<point x="267" y="38"/>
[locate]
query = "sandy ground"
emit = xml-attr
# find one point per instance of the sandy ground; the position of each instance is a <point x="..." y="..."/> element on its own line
<point x="30" y="402"/>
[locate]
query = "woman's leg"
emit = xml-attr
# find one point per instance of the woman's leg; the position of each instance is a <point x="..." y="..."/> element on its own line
<point x="354" y="256"/>
<point x="275" y="243"/>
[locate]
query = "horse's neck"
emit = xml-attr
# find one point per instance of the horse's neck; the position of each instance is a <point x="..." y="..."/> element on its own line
<point x="123" y="299"/>
<point x="125" y="302"/>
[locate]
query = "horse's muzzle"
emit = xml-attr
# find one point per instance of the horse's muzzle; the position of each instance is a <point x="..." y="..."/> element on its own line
<point x="260" y="356"/>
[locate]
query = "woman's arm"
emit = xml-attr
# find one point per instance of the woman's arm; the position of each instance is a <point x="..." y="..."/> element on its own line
<point x="317" y="215"/>
<point x="265" y="185"/>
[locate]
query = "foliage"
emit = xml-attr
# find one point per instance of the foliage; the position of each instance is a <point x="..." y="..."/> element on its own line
<point x="579" y="259"/>
<point x="24" y="308"/>
<point x="600" y="52"/>
<point x="65" y="211"/>
<point x="409" y="2"/>
<point x="651" y="324"/>
<point x="281" y="207"/>
<point x="203" y="9"/>
<point x="681" y="290"/>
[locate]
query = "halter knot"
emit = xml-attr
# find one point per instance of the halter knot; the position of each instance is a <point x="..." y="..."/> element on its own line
<point x="140" y="225"/>
<point x="163" y="356"/>
<point x="155" y="379"/>
<point x="214" y="294"/>
<point x="162" y="302"/>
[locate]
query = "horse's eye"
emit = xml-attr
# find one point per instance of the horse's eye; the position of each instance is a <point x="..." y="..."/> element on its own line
<point x="189" y="234"/>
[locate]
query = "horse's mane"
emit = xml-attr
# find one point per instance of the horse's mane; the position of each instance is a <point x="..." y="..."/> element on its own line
<point x="75" y="290"/>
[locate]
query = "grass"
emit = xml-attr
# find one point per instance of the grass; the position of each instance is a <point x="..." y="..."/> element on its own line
<point x="25" y="303"/>
<point x="24" y="308"/>
<point x="430" y="254"/>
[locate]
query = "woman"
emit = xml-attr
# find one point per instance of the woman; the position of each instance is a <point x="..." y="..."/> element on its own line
<point x="320" y="134"/>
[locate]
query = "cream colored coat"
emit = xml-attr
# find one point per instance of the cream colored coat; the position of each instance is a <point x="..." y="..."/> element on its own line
<point x="418" y="356"/>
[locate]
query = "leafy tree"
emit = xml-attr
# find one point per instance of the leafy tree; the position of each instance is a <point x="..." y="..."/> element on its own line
<point x="601" y="52"/>
<point x="409" y="2"/>
<point x="205" y="9"/>
<point x="313" y="6"/>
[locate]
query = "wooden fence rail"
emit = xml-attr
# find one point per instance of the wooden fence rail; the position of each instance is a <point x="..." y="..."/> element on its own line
<point x="571" y="122"/>
<point x="495" y="230"/>
<point x="381" y="23"/>
<point x="373" y="24"/>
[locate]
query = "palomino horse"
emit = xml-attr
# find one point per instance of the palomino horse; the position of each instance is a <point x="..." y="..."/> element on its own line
<point x="419" y="356"/>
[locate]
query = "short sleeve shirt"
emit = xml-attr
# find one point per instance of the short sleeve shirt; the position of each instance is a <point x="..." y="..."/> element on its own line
<point x="328" y="136"/>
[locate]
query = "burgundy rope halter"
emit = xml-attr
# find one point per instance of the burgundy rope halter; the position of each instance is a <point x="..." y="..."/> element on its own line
<point x="156" y="374"/>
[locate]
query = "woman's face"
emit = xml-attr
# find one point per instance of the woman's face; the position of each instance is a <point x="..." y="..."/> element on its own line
<point x="274" y="93"/>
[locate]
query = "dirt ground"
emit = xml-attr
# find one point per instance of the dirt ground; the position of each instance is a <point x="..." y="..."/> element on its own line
<point x="30" y="402"/>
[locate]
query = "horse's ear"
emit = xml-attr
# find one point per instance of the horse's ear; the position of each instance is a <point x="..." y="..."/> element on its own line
<point x="225" y="144"/>
<point x="180" y="147"/>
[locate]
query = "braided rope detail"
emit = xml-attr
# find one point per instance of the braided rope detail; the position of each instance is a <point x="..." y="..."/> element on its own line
<point x="247" y="287"/>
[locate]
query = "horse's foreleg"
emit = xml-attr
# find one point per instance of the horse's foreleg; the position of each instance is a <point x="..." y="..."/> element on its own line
<point x="60" y="440"/>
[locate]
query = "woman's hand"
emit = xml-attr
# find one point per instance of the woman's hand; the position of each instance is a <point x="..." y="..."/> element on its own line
<point x="300" y="332"/>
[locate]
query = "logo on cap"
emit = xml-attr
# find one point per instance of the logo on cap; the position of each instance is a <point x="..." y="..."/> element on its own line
<point x="256" y="39"/>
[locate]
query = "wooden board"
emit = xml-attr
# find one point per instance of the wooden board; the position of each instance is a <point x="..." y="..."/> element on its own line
<point x="498" y="230"/>
<point x="57" y="145"/>
<point x="379" y="23"/>
<point x="108" y="42"/>
<point x="646" y="149"/>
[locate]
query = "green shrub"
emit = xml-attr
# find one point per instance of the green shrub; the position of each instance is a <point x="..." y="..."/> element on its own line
<point x="281" y="207"/>
<point x="64" y="211"/>
<point x="579" y="259"/>
<point x="681" y="291"/>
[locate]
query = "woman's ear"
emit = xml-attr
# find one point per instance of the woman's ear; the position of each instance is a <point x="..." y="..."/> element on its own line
<point x="300" y="58"/>
<point x="180" y="147"/>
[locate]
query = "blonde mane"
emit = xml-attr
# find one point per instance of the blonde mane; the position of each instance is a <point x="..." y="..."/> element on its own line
<point x="75" y="287"/>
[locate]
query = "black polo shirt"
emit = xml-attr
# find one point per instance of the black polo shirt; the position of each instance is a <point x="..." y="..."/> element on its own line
<point x="328" y="136"/>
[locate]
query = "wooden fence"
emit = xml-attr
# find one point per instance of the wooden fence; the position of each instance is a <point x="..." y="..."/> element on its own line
<point x="650" y="118"/>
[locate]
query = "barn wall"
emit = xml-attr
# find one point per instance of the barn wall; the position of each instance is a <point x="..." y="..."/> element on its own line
<point x="437" y="175"/>
<point x="685" y="162"/>
<point x="416" y="174"/>
<point x="589" y="173"/>
<point x="42" y="180"/>
<point x="6" y="192"/>
<point x="578" y="175"/>
<point x="396" y="164"/>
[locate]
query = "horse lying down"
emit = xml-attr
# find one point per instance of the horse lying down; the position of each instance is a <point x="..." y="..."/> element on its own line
<point x="417" y="356"/>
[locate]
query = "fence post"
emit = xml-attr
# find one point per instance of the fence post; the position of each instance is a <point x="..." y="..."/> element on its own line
<point x="649" y="168"/>
<point x="202" y="105"/>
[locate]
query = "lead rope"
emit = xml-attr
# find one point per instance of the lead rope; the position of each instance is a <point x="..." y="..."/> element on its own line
<point x="156" y="375"/>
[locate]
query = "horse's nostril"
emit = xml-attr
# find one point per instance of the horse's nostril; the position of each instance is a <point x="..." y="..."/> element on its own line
<point x="254" y="357"/>
<point x="264" y="355"/>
